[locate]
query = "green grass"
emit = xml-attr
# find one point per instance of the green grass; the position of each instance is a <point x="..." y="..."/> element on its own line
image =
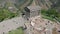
<point x="6" y="14"/>
<point x="17" y="31"/>
<point x="46" y="17"/>
<point x="51" y="14"/>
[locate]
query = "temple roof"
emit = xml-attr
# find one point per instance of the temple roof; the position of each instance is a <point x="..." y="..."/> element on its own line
<point x="34" y="8"/>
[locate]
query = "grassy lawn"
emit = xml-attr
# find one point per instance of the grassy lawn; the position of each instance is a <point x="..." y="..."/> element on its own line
<point x="17" y="31"/>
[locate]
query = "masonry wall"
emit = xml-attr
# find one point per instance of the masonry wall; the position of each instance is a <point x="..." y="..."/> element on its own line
<point x="34" y="13"/>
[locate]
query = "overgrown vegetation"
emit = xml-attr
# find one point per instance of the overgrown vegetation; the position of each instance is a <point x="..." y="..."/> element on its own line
<point x="17" y="31"/>
<point x="5" y="13"/>
<point x="51" y="14"/>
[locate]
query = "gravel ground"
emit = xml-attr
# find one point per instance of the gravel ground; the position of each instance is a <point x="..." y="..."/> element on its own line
<point x="11" y="24"/>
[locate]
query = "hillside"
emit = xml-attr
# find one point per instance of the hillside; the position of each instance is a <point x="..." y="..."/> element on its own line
<point x="45" y="4"/>
<point x="12" y="8"/>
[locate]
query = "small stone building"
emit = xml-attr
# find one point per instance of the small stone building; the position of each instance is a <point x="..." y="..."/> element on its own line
<point x="32" y="11"/>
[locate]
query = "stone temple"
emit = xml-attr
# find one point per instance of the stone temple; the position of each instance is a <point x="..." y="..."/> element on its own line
<point x="31" y="11"/>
